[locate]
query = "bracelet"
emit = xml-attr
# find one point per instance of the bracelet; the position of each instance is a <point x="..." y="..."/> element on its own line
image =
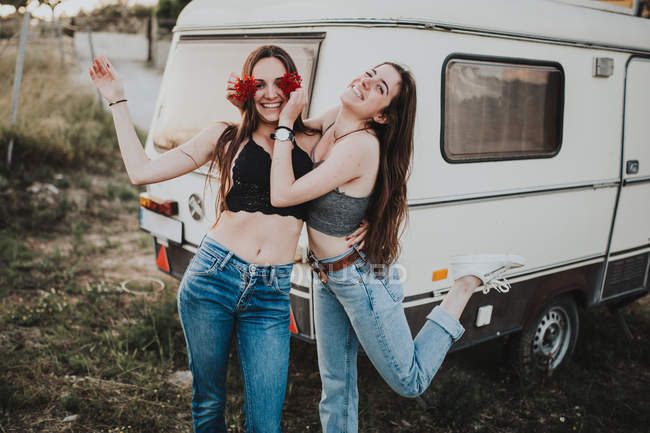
<point x="110" y="104"/>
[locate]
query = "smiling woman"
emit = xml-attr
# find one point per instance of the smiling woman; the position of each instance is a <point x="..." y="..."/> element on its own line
<point x="362" y="165"/>
<point x="197" y="64"/>
<point x="238" y="282"/>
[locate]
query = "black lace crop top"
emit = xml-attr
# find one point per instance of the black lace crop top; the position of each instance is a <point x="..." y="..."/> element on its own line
<point x="251" y="188"/>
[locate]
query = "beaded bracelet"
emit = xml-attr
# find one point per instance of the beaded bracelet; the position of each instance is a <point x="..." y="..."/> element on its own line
<point x="110" y="104"/>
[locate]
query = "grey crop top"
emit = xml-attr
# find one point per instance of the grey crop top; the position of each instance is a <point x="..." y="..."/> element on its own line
<point x="336" y="213"/>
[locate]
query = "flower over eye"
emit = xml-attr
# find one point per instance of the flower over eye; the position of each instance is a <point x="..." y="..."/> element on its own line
<point x="290" y="82"/>
<point x="245" y="87"/>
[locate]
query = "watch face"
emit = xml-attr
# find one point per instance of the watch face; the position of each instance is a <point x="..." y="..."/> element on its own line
<point x="282" y="134"/>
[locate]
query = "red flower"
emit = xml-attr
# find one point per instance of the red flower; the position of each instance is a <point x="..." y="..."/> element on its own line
<point x="290" y="82"/>
<point x="245" y="87"/>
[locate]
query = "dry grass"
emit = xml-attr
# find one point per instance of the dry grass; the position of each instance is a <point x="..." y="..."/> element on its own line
<point x="72" y="343"/>
<point x="60" y="125"/>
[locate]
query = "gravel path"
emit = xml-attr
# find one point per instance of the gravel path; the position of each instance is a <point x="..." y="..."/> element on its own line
<point x="128" y="54"/>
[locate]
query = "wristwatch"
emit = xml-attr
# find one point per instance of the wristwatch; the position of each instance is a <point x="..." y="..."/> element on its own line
<point x="282" y="133"/>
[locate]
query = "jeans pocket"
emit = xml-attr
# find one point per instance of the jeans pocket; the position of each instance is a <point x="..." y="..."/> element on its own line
<point x="348" y="276"/>
<point x="282" y="283"/>
<point x="393" y="288"/>
<point x="203" y="263"/>
<point x="381" y="276"/>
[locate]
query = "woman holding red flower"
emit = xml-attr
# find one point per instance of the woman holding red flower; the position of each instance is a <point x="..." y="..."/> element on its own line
<point x="229" y="290"/>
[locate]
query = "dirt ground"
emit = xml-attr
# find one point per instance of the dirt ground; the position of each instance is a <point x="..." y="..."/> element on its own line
<point x="80" y="354"/>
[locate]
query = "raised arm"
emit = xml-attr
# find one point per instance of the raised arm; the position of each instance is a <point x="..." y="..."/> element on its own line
<point x="141" y="169"/>
<point x="346" y="162"/>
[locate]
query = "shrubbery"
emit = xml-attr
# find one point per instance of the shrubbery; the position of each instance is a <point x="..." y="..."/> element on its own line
<point x="61" y="126"/>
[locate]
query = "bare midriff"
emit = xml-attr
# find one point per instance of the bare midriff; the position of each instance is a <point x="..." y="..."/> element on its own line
<point x="324" y="246"/>
<point x="258" y="238"/>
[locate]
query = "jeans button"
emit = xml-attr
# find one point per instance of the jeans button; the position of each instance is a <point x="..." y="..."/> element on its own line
<point x="252" y="268"/>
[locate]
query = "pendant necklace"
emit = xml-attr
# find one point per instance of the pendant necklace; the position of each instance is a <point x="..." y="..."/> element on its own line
<point x="347" y="133"/>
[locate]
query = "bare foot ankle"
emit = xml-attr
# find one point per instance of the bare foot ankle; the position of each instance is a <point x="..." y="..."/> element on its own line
<point x="468" y="282"/>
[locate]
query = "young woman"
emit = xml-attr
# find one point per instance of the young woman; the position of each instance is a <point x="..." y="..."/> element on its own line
<point x="228" y="289"/>
<point x="362" y="165"/>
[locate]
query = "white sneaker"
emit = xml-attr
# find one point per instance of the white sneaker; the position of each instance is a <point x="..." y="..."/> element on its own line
<point x="489" y="268"/>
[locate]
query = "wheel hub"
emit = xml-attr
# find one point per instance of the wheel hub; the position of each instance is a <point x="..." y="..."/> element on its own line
<point x="551" y="339"/>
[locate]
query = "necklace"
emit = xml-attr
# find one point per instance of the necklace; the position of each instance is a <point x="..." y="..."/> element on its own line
<point x="347" y="133"/>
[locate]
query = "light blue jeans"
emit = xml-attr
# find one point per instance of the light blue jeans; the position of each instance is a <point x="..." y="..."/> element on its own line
<point x="220" y="297"/>
<point x="355" y="306"/>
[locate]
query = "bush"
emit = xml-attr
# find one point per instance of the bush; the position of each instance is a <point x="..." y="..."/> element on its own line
<point x="61" y="126"/>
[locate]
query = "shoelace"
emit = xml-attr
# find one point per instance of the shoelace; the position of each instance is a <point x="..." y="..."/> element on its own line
<point x="501" y="286"/>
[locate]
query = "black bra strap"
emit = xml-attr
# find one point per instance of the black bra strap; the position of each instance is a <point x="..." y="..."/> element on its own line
<point x="313" y="150"/>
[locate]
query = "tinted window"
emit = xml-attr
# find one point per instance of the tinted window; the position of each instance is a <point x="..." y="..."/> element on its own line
<point x="499" y="110"/>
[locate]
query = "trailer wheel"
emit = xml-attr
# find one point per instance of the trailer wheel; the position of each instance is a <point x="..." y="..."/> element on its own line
<point x="547" y="343"/>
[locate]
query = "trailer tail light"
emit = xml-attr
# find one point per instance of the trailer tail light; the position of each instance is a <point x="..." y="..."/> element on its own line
<point x="162" y="261"/>
<point x="164" y="207"/>
<point x="440" y="274"/>
<point x="292" y="326"/>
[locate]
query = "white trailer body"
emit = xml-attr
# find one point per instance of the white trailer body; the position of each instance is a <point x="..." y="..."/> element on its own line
<point x="531" y="138"/>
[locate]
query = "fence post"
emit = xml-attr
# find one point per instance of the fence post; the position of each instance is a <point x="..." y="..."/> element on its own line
<point x="150" y="39"/>
<point x="17" y="81"/>
<point x="92" y="58"/>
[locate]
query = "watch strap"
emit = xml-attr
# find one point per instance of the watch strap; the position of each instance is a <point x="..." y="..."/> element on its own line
<point x="290" y="137"/>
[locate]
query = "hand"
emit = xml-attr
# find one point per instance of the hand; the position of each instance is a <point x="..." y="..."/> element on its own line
<point x="106" y="79"/>
<point x="358" y="236"/>
<point x="294" y="106"/>
<point x="231" y="94"/>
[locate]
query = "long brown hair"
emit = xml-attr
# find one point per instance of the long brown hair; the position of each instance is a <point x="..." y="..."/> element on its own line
<point x="388" y="209"/>
<point x="228" y="143"/>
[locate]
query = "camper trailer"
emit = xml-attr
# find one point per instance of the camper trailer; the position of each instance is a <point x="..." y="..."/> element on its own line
<point x="531" y="138"/>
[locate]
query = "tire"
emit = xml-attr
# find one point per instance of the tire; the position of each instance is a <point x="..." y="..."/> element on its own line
<point x="547" y="343"/>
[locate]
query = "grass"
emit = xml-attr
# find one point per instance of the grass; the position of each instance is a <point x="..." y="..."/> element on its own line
<point x="73" y="343"/>
<point x="102" y="367"/>
<point x="60" y="126"/>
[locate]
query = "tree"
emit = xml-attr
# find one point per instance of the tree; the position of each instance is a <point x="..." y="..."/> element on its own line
<point x="170" y="8"/>
<point x="21" y="3"/>
<point x="167" y="12"/>
<point x="16" y="3"/>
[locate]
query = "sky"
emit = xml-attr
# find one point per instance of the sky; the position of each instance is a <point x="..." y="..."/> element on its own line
<point x="66" y="7"/>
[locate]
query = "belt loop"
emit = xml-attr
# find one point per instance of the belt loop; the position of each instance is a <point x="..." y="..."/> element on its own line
<point x="225" y="261"/>
<point x="272" y="276"/>
<point x="361" y="253"/>
<point x="317" y="267"/>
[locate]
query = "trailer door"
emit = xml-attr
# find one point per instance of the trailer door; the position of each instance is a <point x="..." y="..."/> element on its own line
<point x="627" y="268"/>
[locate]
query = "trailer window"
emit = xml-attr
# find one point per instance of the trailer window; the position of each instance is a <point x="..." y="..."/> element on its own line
<point x="193" y="95"/>
<point x="495" y="110"/>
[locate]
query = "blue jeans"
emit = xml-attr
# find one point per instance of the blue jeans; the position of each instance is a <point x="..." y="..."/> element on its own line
<point x="220" y="297"/>
<point x="355" y="306"/>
